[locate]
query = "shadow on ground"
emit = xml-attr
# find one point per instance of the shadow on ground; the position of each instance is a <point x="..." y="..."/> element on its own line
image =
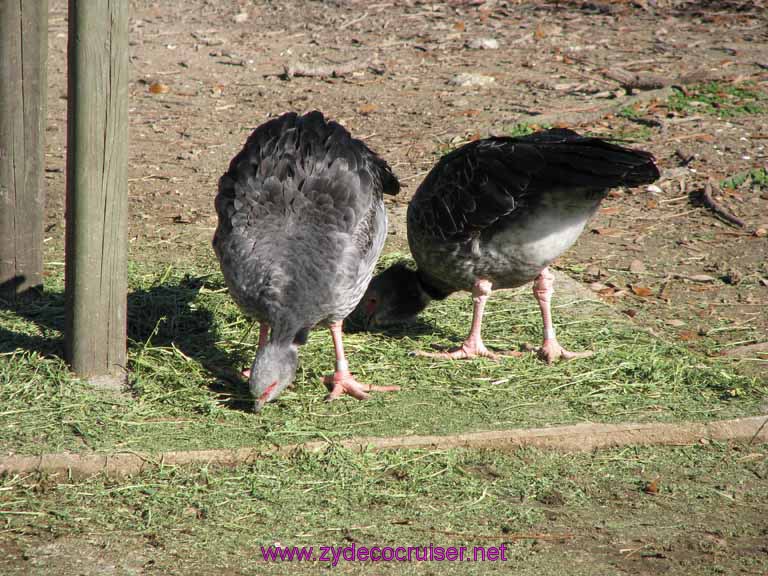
<point x="161" y="316"/>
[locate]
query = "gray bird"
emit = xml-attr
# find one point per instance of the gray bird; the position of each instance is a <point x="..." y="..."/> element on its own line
<point x="301" y="225"/>
<point x="494" y="214"/>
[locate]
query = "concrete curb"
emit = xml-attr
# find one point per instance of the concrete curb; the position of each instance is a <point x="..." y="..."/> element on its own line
<point x="573" y="438"/>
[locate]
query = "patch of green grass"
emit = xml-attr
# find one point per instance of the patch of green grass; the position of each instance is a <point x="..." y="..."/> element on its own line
<point x="185" y="331"/>
<point x="755" y="178"/>
<point x="630" y="113"/>
<point x="719" y="99"/>
<point x="523" y="129"/>
<point x="666" y="502"/>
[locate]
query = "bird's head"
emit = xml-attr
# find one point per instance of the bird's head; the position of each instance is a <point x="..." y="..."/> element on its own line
<point x="272" y="371"/>
<point x="394" y="296"/>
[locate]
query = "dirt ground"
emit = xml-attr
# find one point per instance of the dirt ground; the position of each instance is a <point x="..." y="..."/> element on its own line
<point x="203" y="74"/>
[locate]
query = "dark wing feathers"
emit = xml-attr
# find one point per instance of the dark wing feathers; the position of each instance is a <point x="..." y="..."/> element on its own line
<point x="305" y="154"/>
<point x="474" y="186"/>
<point x="480" y="183"/>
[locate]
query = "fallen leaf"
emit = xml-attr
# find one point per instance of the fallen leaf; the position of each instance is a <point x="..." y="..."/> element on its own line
<point x="642" y="291"/>
<point x="651" y="487"/>
<point x="610" y="210"/>
<point x="703" y="288"/>
<point x="459" y="26"/>
<point x="470" y="112"/>
<point x="366" y="109"/>
<point x="760" y="232"/>
<point x="159" y="88"/>
<point x="651" y="204"/>
<point x="630" y="312"/>
<point x="688" y="335"/>
<point x="675" y="322"/>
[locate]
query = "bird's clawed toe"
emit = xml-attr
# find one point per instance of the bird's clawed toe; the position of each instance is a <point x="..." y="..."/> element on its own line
<point x="551" y="351"/>
<point x="467" y="351"/>
<point x="341" y="383"/>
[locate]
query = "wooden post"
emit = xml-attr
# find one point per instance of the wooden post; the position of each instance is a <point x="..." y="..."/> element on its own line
<point x="97" y="189"/>
<point x="23" y="77"/>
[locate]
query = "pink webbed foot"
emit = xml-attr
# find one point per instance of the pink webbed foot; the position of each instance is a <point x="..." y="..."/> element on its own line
<point x="551" y="351"/>
<point x="341" y="383"/>
<point x="467" y="351"/>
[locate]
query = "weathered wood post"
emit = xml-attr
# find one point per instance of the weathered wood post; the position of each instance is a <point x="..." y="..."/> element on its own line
<point x="97" y="189"/>
<point x="23" y="77"/>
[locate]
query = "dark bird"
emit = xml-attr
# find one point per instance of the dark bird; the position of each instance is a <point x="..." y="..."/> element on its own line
<point x="301" y="225"/>
<point x="494" y="214"/>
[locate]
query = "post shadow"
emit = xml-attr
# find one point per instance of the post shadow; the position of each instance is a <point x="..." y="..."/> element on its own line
<point x="163" y="313"/>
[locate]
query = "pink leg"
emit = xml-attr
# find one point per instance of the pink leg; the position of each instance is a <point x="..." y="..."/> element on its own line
<point x="550" y="350"/>
<point x="263" y="335"/>
<point x="473" y="346"/>
<point x="342" y="382"/>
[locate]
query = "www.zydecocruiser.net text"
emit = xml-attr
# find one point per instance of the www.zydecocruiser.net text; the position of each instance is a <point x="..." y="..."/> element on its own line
<point x="355" y="553"/>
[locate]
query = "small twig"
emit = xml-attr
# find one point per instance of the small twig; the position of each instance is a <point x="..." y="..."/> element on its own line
<point x="349" y="23"/>
<point x="677" y="199"/>
<point x="697" y="135"/>
<point x="708" y="200"/>
<point x="640" y="81"/>
<point x="21" y="513"/>
<point x="635" y="80"/>
<point x="582" y="116"/>
<point x="329" y="71"/>
<point x="757" y="432"/>
<point x="677" y="215"/>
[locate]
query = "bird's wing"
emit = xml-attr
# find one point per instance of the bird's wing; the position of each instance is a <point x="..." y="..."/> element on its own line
<point x="475" y="186"/>
<point x="472" y="187"/>
<point x="583" y="161"/>
<point x="305" y="168"/>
